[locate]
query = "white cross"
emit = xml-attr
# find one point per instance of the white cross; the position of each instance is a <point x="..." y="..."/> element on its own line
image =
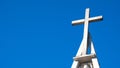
<point x="86" y="22"/>
<point x="83" y="47"/>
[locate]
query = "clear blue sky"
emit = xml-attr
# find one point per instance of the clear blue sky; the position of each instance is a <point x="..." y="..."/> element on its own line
<point x="39" y="34"/>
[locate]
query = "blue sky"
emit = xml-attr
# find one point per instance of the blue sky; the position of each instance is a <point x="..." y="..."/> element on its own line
<point x="39" y="34"/>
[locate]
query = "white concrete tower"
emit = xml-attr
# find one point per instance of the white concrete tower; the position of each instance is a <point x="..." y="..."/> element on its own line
<point x="82" y="58"/>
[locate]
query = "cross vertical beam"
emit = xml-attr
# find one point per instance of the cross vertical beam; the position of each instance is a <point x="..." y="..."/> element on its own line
<point x="85" y="36"/>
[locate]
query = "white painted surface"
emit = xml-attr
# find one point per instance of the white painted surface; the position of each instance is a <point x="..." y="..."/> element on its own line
<point x="92" y="19"/>
<point x="82" y="51"/>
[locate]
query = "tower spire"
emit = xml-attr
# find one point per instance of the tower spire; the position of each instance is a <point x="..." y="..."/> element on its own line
<point x="82" y="59"/>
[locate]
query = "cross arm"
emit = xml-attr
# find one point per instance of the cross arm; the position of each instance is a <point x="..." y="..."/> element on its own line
<point x="92" y="19"/>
